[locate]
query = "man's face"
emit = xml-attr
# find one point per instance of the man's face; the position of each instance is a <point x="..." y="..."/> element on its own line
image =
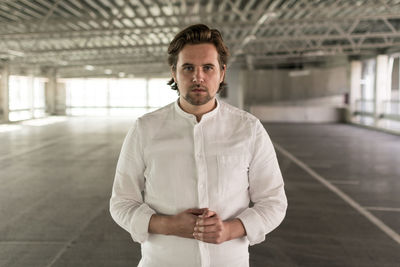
<point x="198" y="73"/>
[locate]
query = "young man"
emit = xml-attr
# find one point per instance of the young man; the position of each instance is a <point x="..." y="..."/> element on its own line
<point x="187" y="172"/>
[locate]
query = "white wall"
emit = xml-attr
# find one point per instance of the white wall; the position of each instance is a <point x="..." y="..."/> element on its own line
<point x="308" y="95"/>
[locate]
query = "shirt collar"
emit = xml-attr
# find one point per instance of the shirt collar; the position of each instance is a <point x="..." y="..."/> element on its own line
<point x="192" y="117"/>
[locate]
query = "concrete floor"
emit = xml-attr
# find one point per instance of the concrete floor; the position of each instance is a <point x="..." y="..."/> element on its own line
<point x="56" y="182"/>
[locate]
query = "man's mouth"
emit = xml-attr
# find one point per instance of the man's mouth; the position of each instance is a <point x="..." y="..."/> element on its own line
<point x="198" y="89"/>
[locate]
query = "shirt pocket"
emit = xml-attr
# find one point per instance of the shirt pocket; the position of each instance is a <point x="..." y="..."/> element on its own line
<point x="232" y="174"/>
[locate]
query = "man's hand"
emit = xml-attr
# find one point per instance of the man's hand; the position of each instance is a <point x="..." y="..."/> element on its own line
<point x="181" y="224"/>
<point x="211" y="229"/>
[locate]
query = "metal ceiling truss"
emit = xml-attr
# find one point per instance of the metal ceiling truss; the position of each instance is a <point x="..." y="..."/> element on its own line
<point x="69" y="34"/>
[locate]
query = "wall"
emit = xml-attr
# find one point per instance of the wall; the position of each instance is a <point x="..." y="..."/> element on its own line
<point x="308" y="95"/>
<point x="268" y="86"/>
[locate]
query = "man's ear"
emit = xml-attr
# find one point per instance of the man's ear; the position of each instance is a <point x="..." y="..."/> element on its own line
<point x="173" y="73"/>
<point x="223" y="71"/>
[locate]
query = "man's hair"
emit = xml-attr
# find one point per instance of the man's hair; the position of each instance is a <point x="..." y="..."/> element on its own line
<point x="197" y="34"/>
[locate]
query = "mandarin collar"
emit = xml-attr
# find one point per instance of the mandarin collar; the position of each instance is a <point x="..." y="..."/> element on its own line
<point x="192" y="117"/>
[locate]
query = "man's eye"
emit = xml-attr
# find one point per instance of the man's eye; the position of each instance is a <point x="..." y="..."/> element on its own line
<point x="188" y="68"/>
<point x="208" y="68"/>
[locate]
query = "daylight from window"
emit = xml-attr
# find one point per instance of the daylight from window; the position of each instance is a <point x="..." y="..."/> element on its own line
<point x="116" y="96"/>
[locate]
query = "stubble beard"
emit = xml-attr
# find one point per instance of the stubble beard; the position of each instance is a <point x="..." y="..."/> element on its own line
<point x="197" y="99"/>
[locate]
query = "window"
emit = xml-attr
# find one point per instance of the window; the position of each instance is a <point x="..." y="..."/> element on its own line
<point x="160" y="93"/>
<point x="26" y="97"/>
<point x="116" y="96"/>
<point x="366" y="103"/>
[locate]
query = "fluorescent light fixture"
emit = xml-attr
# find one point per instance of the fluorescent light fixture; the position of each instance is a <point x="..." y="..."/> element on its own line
<point x="89" y="67"/>
<point x="121" y="74"/>
<point x="298" y="73"/>
<point x="15" y="53"/>
<point x="315" y="53"/>
<point x="107" y="71"/>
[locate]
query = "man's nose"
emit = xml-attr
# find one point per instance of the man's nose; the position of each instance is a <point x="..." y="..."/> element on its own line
<point x="198" y="75"/>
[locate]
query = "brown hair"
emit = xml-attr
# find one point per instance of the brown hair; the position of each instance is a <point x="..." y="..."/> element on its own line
<point x="197" y="34"/>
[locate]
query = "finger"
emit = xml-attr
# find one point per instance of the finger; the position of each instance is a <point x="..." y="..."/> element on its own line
<point x="208" y="213"/>
<point x="195" y="211"/>
<point x="208" y="237"/>
<point x="207" y="221"/>
<point x="207" y="229"/>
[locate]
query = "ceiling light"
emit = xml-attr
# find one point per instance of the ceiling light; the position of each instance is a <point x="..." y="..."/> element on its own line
<point x="89" y="67"/>
<point x="121" y="74"/>
<point x="15" y="53"/>
<point x="298" y="73"/>
<point x="108" y="71"/>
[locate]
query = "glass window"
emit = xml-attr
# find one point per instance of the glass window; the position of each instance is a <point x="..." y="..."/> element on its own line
<point x="132" y="97"/>
<point x="39" y="100"/>
<point x="128" y="93"/>
<point x="75" y="89"/>
<point x="26" y="97"/>
<point x="160" y="94"/>
<point x="19" y="94"/>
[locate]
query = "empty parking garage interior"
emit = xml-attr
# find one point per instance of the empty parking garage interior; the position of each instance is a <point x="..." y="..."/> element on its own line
<point x="323" y="77"/>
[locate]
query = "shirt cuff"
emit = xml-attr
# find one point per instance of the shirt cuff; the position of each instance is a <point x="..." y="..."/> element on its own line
<point x="253" y="226"/>
<point x="139" y="229"/>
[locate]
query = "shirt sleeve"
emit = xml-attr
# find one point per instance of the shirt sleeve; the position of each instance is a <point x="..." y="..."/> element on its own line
<point x="266" y="190"/>
<point x="126" y="204"/>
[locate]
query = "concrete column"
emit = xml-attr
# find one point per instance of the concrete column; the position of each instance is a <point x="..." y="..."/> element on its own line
<point x="51" y="91"/>
<point x="61" y="99"/>
<point x="4" y="93"/>
<point x="355" y="86"/>
<point x="382" y="89"/>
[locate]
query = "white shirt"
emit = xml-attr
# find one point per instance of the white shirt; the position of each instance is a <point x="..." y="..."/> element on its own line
<point x="169" y="162"/>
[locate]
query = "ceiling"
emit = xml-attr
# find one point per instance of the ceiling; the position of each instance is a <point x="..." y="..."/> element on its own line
<point x="130" y="37"/>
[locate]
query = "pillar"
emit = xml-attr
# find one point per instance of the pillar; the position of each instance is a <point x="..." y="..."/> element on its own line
<point x="355" y="87"/>
<point x="4" y="93"/>
<point x="382" y="89"/>
<point x="51" y="91"/>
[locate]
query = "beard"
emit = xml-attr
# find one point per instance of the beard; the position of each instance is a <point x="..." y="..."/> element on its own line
<point x="197" y="98"/>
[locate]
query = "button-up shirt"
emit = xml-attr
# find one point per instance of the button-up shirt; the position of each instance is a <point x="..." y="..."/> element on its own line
<point x="169" y="162"/>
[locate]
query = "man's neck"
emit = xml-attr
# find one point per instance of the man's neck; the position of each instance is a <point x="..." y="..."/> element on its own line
<point x="198" y="111"/>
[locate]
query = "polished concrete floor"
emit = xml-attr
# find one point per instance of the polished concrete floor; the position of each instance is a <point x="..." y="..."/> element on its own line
<point x="342" y="183"/>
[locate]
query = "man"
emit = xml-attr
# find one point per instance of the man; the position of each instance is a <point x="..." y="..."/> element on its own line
<point x="188" y="171"/>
